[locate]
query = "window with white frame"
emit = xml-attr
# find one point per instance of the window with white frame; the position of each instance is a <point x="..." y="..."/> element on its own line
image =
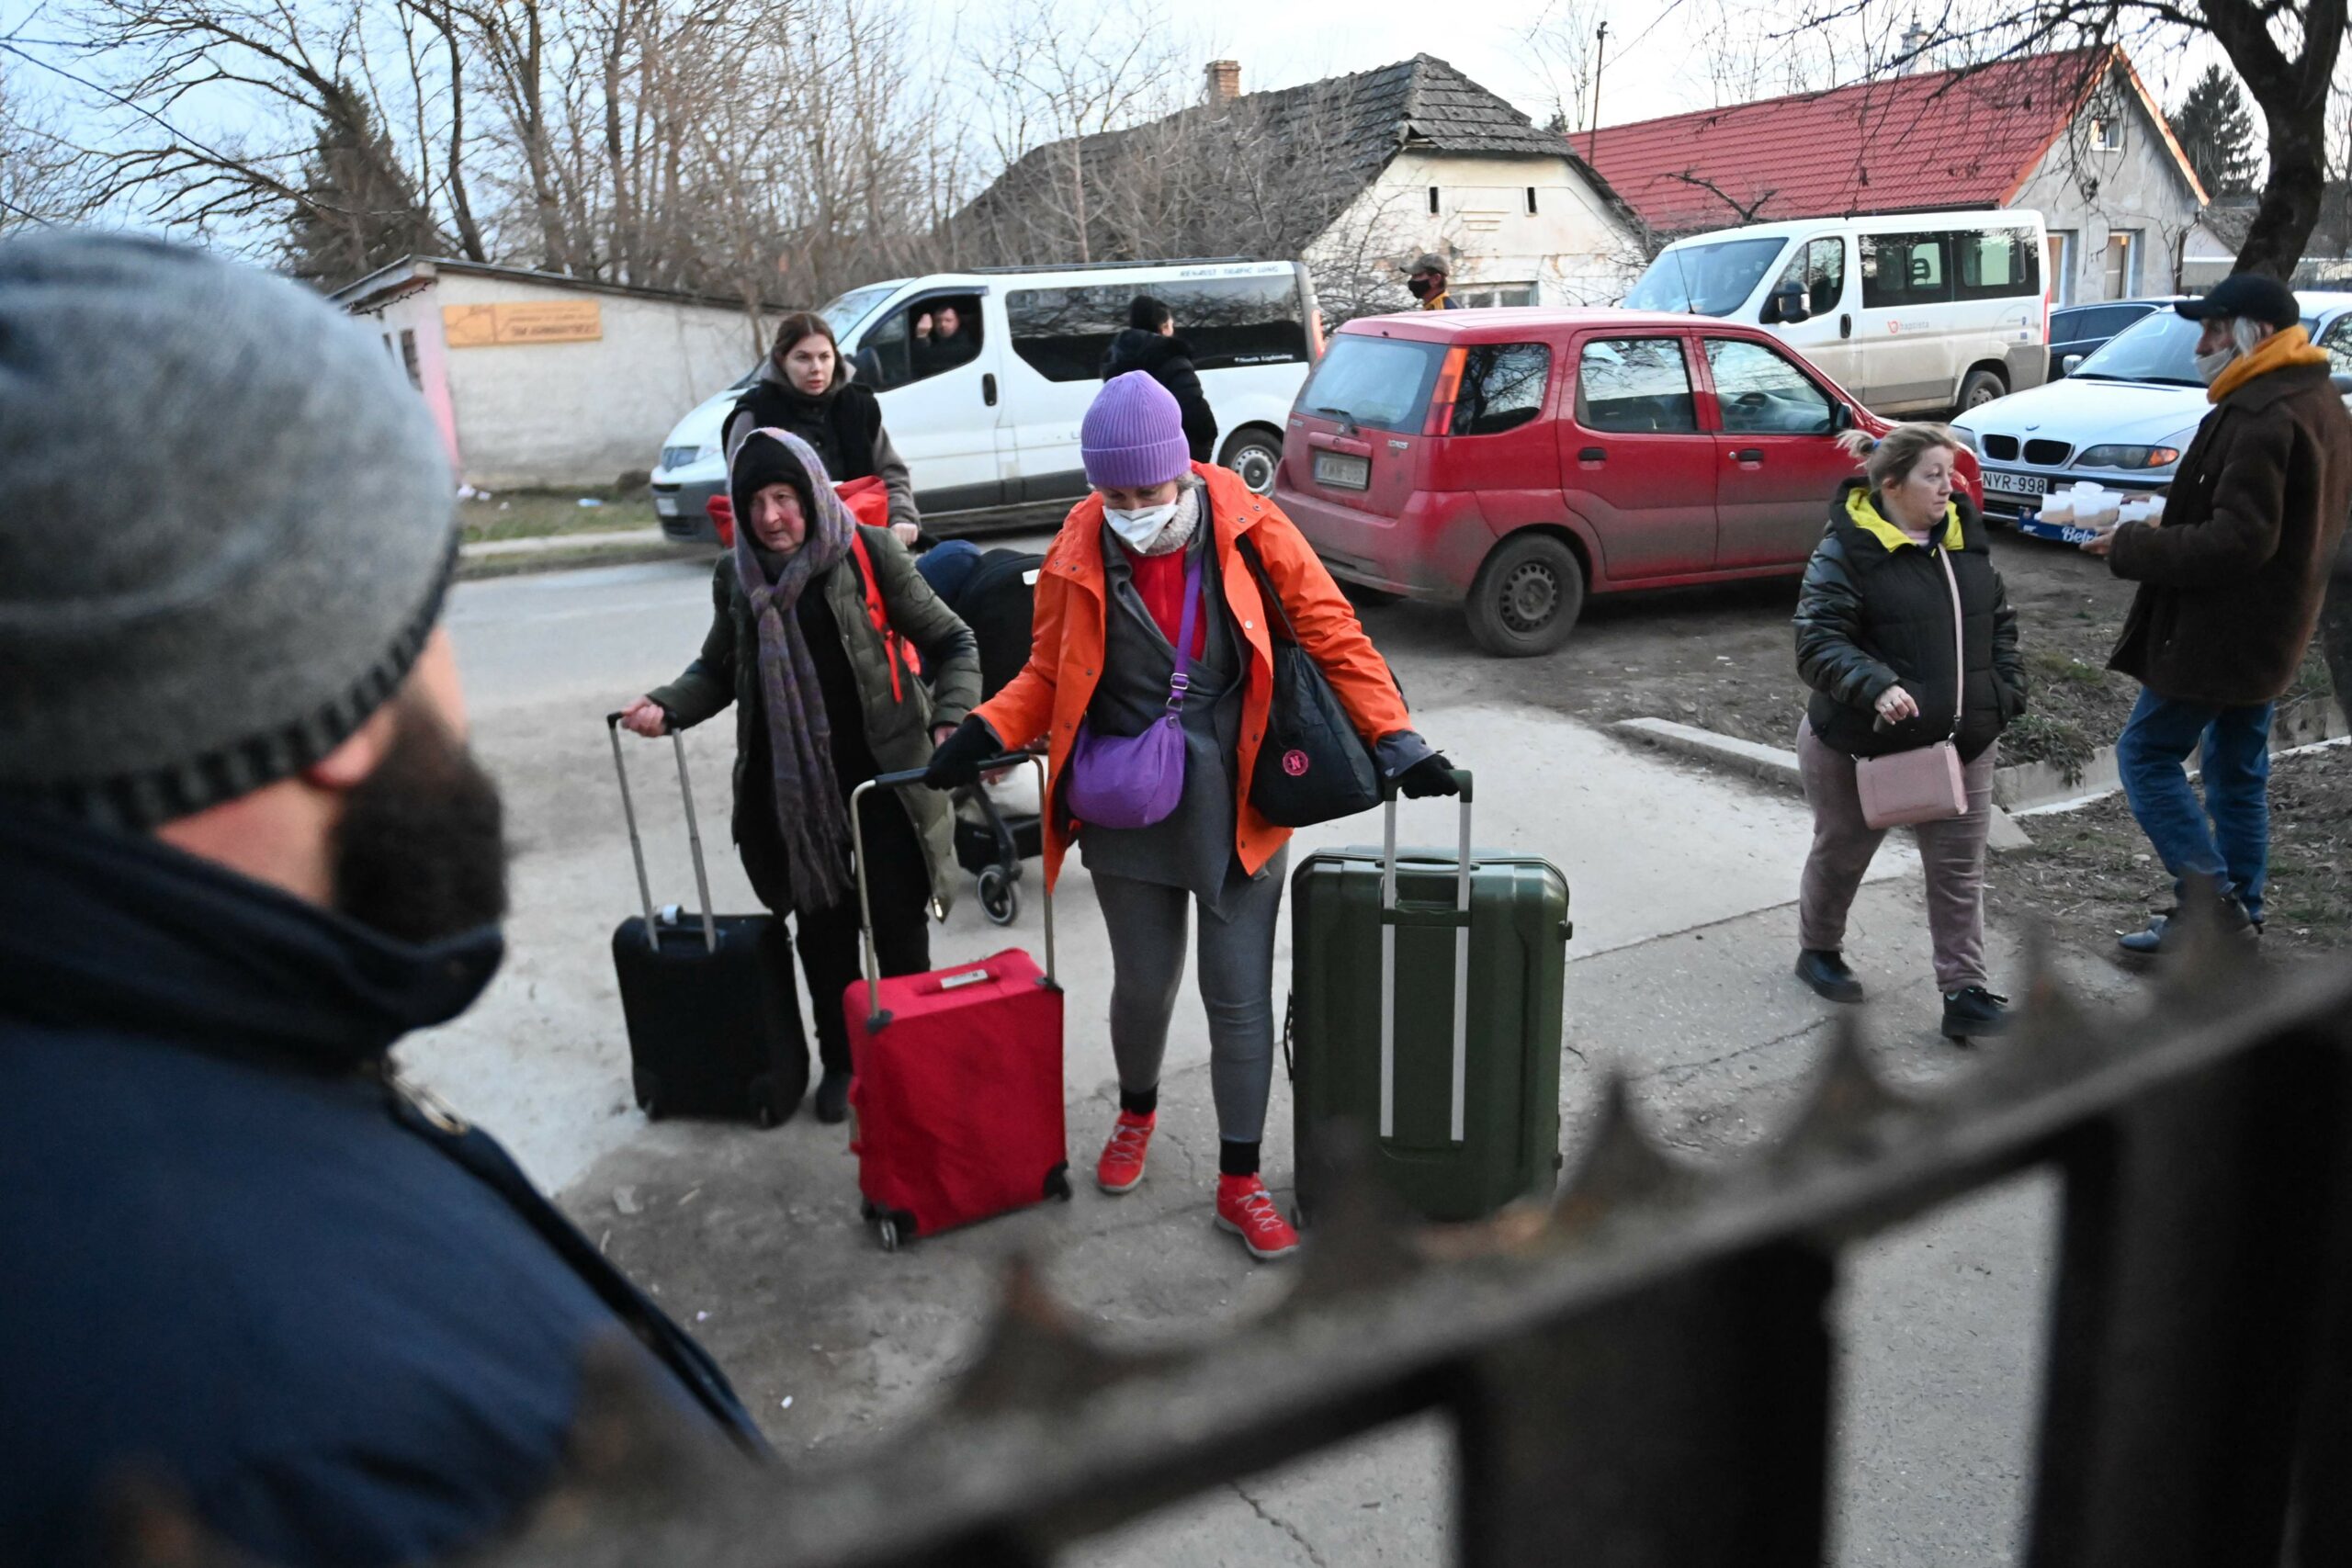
<point x="2107" y="133"/>
<point x="2123" y="263"/>
<point x="1497" y="294"/>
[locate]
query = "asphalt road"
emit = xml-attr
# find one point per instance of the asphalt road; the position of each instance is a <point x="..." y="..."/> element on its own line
<point x="1681" y="883"/>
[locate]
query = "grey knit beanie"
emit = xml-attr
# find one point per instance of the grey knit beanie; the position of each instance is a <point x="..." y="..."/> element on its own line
<point x="226" y="527"/>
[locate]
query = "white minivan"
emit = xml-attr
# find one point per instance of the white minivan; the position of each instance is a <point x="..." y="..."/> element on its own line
<point x="995" y="431"/>
<point x="1913" y="312"/>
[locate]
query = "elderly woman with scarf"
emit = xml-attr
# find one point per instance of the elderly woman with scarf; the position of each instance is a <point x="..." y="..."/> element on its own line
<point x="1149" y="592"/>
<point x="825" y="699"/>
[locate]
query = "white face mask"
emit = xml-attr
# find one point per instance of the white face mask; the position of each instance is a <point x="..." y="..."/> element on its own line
<point x="1140" y="527"/>
<point x="2210" y="366"/>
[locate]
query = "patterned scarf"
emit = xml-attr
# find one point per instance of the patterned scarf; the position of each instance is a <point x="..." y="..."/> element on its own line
<point x="809" y="811"/>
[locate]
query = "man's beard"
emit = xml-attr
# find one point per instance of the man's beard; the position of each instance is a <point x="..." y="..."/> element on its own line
<point x="420" y="853"/>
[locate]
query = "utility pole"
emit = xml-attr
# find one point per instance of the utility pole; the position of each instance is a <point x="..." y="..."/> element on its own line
<point x="1592" y="133"/>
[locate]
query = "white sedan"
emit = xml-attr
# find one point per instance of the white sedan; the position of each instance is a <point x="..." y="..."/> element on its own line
<point x="2120" y="420"/>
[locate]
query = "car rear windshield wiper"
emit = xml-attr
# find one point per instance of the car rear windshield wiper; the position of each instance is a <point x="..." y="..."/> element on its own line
<point x="1335" y="413"/>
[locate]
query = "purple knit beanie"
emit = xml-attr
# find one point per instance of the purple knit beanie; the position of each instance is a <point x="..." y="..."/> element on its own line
<point x="1133" y="436"/>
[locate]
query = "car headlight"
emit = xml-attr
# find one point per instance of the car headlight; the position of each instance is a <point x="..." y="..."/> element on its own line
<point x="1967" y="438"/>
<point x="2128" y="458"/>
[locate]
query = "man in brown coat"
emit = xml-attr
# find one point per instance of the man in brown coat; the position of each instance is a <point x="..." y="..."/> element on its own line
<point x="2231" y="575"/>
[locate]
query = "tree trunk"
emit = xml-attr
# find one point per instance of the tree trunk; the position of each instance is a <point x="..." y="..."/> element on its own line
<point x="2292" y="94"/>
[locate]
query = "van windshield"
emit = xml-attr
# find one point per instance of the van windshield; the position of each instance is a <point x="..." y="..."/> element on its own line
<point x="1705" y="281"/>
<point x="844" y="314"/>
<point x="1381" y="383"/>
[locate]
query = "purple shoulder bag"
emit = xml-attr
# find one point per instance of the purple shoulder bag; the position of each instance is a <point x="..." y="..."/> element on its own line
<point x="1123" y="781"/>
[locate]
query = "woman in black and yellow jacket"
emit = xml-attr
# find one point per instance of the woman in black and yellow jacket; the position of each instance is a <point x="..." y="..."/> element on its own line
<point x="1875" y="641"/>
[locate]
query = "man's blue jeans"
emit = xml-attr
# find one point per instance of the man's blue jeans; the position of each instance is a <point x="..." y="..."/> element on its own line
<point x="2227" y="838"/>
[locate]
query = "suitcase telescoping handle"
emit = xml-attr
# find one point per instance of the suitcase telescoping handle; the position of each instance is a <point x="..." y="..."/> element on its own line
<point x="636" y="848"/>
<point x="1390" y="918"/>
<point x="864" y="901"/>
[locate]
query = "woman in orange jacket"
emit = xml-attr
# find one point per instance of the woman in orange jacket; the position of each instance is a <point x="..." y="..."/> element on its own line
<point x="1151" y="757"/>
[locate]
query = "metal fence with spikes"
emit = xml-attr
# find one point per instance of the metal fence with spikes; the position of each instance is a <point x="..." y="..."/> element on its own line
<point x="1639" y="1375"/>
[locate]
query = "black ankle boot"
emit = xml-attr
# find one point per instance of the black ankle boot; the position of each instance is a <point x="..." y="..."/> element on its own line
<point x="1828" y="975"/>
<point x="832" y="1095"/>
<point x="1972" y="1011"/>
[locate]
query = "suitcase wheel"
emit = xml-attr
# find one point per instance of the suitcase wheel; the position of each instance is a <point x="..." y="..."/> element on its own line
<point x="1058" y="1183"/>
<point x="886" y="1231"/>
<point x="1000" y="896"/>
<point x="765" y="1111"/>
<point x="648" y="1100"/>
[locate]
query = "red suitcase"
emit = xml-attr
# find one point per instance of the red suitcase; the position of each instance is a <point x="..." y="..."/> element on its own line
<point x="956" y="1106"/>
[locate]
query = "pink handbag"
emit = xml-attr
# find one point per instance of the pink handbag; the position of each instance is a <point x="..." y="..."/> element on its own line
<point x="1927" y="783"/>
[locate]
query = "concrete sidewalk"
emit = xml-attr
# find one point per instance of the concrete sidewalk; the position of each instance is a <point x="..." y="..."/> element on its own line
<point x="1681" y="880"/>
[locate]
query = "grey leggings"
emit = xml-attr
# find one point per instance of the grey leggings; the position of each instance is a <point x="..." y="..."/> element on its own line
<point x="1147" y="922"/>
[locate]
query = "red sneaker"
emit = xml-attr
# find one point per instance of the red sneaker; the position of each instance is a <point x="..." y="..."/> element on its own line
<point x="1120" y="1167"/>
<point x="1246" y="1209"/>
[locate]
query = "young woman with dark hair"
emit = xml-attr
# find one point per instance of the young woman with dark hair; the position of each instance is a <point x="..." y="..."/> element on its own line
<point x="805" y="389"/>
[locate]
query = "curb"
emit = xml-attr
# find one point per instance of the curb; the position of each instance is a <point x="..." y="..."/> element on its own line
<point x="2039" y="788"/>
<point x="1773" y="766"/>
<point x="535" y="543"/>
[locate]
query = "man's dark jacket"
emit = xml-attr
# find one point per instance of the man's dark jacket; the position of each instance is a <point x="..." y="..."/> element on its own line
<point x="348" y="1329"/>
<point x="1168" y="361"/>
<point x="2231" y="582"/>
<point x="1875" y="612"/>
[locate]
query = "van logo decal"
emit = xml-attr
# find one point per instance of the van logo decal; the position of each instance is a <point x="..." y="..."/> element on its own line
<point x="1400" y="447"/>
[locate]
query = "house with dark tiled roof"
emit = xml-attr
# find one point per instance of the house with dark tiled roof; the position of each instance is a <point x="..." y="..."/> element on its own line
<point x="1357" y="175"/>
<point x="2073" y="135"/>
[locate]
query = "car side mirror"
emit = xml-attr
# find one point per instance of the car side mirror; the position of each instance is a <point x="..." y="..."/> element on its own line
<point x="1841" y="419"/>
<point x="1788" y="305"/>
<point x="2069" y="365"/>
<point x="2341" y="381"/>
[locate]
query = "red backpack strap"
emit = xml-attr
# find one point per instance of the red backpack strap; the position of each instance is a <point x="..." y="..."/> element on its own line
<point x="877" y="614"/>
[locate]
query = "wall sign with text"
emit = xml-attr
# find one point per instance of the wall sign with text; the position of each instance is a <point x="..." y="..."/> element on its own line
<point x="547" y="321"/>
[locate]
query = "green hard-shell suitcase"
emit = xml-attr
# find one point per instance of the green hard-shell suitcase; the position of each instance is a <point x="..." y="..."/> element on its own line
<point x="1435" y="1031"/>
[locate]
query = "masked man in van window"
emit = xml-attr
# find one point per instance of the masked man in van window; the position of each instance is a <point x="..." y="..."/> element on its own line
<point x="243" y="851"/>
<point x="1428" y="283"/>
<point x="2231" y="578"/>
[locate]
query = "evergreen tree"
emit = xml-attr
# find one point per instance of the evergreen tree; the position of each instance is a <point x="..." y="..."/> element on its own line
<point x="359" y="209"/>
<point x="2214" y="129"/>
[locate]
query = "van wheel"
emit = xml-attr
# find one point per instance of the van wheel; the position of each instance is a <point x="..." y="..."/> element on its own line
<point x="1253" y="453"/>
<point x="1981" y="387"/>
<point x="1527" y="597"/>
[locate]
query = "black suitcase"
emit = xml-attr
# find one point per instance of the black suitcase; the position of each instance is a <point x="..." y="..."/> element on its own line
<point x="713" y="1027"/>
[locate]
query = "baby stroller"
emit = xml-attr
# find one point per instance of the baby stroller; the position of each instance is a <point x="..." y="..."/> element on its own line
<point x="995" y="593"/>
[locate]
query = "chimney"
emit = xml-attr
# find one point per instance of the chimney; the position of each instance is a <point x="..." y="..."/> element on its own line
<point x="1915" y="48"/>
<point x="1224" y="81"/>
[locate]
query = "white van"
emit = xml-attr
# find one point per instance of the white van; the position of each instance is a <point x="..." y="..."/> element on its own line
<point x="998" y="432"/>
<point x="1912" y="312"/>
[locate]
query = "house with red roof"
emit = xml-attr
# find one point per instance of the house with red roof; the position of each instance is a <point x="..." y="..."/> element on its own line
<point x="2075" y="136"/>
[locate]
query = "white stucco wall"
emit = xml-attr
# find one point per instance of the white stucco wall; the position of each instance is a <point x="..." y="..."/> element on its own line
<point x="1574" y="247"/>
<point x="580" y="413"/>
<point x="418" y="313"/>
<point x="2137" y="189"/>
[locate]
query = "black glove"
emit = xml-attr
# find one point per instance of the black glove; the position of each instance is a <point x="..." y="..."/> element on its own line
<point x="1430" y="777"/>
<point x="956" y="761"/>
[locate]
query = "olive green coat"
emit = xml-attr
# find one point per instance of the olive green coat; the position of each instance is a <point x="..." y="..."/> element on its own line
<point x="897" y="729"/>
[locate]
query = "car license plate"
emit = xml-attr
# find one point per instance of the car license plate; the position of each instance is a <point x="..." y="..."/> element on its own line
<point x="665" y="505"/>
<point x="2015" y="484"/>
<point x="1340" y="471"/>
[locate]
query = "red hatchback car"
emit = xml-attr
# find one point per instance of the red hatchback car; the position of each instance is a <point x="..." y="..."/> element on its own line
<point x="1513" y="460"/>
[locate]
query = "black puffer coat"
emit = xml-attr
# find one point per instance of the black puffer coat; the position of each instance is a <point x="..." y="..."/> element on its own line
<point x="1874" y="612"/>
<point x="1168" y="361"/>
